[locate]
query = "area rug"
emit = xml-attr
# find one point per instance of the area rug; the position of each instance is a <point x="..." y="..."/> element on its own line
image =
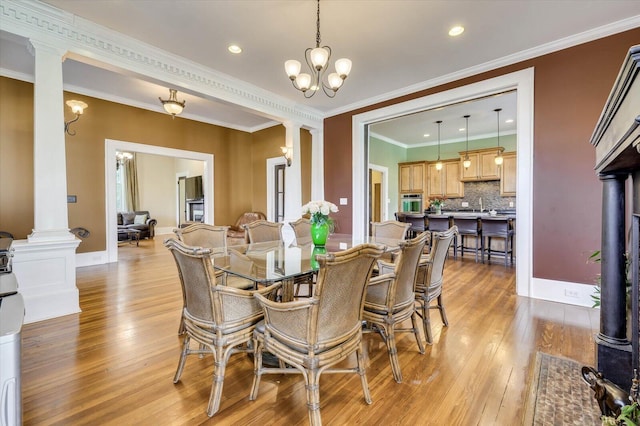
<point x="558" y="395"/>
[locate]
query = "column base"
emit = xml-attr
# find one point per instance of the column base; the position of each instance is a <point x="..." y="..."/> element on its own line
<point x="613" y="360"/>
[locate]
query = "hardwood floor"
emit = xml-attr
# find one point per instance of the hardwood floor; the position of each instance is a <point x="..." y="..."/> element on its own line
<point x="114" y="362"/>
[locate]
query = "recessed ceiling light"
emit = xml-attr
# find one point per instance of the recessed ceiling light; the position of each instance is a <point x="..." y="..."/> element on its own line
<point x="234" y="48"/>
<point x="426" y="135"/>
<point x="509" y="120"/>
<point x="456" y="31"/>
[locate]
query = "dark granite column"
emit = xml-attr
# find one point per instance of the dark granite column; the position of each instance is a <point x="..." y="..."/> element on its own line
<point x="613" y="347"/>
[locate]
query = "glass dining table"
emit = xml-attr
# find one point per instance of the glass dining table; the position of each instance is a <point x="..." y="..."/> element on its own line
<point x="269" y="262"/>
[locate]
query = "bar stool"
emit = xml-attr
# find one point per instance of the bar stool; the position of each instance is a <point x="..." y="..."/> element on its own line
<point x="417" y="221"/>
<point x="498" y="227"/>
<point x="470" y="226"/>
<point x="442" y="223"/>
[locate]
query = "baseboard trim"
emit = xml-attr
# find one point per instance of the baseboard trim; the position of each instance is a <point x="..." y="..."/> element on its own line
<point x="91" y="258"/>
<point x="562" y="291"/>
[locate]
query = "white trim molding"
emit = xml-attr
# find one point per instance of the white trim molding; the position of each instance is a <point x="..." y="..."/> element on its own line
<point x="563" y="292"/>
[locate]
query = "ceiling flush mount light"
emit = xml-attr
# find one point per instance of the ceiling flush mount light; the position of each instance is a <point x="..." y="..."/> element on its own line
<point x="318" y="61"/>
<point x="77" y="107"/>
<point x="498" y="158"/>
<point x="287" y="154"/>
<point x="467" y="163"/>
<point x="234" y="48"/>
<point x="456" y="31"/>
<point x="122" y="157"/>
<point x="172" y="105"/>
<point x="439" y="163"/>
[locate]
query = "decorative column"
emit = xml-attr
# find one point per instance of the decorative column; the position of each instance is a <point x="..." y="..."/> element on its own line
<point x="317" y="164"/>
<point x="292" y="180"/>
<point x="44" y="264"/>
<point x="613" y="348"/>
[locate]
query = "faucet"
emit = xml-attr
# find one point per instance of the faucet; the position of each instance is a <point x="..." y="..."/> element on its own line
<point x="480" y="201"/>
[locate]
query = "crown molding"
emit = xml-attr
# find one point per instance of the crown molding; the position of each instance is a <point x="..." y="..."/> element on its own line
<point x="91" y="43"/>
<point x="442" y="142"/>
<point x="544" y="49"/>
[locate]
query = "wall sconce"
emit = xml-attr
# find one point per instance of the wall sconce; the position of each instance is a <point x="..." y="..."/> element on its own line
<point x="287" y="153"/>
<point x="77" y="107"/>
<point x="172" y="105"/>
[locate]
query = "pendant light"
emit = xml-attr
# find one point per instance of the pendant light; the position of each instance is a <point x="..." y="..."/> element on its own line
<point x="439" y="163"/>
<point x="498" y="158"/>
<point x="467" y="163"/>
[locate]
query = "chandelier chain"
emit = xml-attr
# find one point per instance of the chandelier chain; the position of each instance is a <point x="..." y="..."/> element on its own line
<point x="318" y="40"/>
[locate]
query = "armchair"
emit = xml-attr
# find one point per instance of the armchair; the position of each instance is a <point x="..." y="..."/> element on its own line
<point x="312" y="335"/>
<point x="236" y="234"/>
<point x="220" y="319"/>
<point x="390" y="298"/>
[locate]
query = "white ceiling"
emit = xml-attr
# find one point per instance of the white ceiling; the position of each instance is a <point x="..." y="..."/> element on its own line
<point x="397" y="47"/>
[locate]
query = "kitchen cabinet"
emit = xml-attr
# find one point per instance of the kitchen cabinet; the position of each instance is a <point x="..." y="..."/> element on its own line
<point x="483" y="165"/>
<point x="445" y="182"/>
<point x="411" y="177"/>
<point x="508" y="177"/>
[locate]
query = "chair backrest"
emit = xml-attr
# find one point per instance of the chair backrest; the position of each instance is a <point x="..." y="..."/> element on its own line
<point x="197" y="276"/>
<point x="441" y="241"/>
<point x="263" y="230"/>
<point x="390" y="229"/>
<point x="204" y="235"/>
<point x="301" y="227"/>
<point x="406" y="269"/>
<point x="340" y="288"/>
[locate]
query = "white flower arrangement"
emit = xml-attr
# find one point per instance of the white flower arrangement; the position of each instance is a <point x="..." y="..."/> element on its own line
<point x="319" y="211"/>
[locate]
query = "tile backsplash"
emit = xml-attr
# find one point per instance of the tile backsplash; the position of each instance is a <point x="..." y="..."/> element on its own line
<point x="488" y="191"/>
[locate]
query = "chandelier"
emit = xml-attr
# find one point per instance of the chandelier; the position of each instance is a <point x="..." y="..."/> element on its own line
<point x="467" y="162"/>
<point x="439" y="163"/>
<point x="172" y="105"/>
<point x="318" y="60"/>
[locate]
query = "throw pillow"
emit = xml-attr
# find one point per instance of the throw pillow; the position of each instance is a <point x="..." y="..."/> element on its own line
<point x="140" y="219"/>
<point x="127" y="218"/>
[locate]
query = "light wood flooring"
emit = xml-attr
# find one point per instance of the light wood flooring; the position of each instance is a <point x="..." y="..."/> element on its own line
<point x="114" y="362"/>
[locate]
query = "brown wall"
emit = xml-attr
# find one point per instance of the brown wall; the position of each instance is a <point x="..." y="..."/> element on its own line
<point x="235" y="153"/>
<point x="571" y="87"/>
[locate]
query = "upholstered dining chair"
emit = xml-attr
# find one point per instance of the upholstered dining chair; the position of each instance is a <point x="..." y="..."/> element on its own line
<point x="214" y="238"/>
<point x="301" y="228"/>
<point x="204" y="235"/>
<point x="219" y="318"/>
<point x="431" y="277"/>
<point x="390" y="298"/>
<point x="263" y="231"/>
<point x="313" y="334"/>
<point x="390" y="229"/>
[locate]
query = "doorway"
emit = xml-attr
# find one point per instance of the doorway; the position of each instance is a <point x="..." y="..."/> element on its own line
<point x="111" y="146"/>
<point x="522" y="82"/>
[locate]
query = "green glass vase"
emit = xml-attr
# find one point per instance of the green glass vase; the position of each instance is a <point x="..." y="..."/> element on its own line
<point x="314" y="261"/>
<point x="319" y="233"/>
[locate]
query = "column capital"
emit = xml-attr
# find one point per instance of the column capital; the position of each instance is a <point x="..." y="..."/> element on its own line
<point x="36" y="45"/>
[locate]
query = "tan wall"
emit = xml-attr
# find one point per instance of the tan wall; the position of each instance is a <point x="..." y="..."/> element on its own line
<point x="267" y="144"/>
<point x="571" y="87"/>
<point x="233" y="151"/>
<point x="157" y="187"/>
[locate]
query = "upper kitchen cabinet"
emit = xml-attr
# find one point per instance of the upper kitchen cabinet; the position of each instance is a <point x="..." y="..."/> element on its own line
<point x="445" y="182"/>
<point x="411" y="177"/>
<point x="508" y="177"/>
<point x="483" y="166"/>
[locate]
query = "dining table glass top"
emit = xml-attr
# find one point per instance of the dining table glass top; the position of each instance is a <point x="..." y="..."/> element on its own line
<point x="274" y="261"/>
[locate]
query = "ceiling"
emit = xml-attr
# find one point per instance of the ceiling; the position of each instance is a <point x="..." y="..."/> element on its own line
<point x="397" y="47"/>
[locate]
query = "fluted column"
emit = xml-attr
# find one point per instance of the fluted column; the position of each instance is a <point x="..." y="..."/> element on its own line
<point x="49" y="158"/>
<point x="293" y="175"/>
